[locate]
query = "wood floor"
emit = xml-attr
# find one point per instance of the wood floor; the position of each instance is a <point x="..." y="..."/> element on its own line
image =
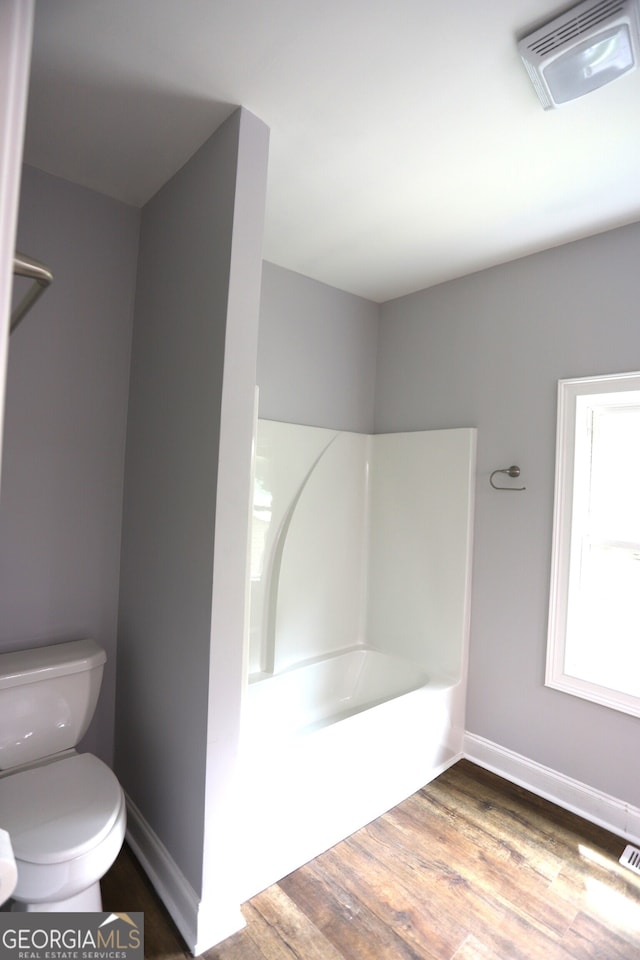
<point x="470" y="867"/>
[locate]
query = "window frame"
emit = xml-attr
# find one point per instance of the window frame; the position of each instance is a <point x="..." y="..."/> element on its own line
<point x="556" y="676"/>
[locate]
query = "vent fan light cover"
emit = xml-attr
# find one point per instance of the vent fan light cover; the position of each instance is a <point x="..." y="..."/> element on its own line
<point x="590" y="45"/>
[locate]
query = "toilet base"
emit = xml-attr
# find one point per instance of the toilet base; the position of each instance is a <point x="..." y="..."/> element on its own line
<point x="87" y="901"/>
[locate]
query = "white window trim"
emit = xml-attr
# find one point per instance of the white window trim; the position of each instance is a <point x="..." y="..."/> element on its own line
<point x="555" y="676"/>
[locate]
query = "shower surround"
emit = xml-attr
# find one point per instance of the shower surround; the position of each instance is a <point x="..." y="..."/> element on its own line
<point x="359" y="621"/>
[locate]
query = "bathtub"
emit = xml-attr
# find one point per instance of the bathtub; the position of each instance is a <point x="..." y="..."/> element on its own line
<point x="326" y="690"/>
<point x="332" y="743"/>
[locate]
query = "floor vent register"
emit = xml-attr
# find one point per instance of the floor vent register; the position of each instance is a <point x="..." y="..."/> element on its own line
<point x="631" y="858"/>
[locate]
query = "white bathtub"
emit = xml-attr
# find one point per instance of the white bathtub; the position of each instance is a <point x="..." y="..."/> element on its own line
<point x="331" y="744"/>
<point x="327" y="689"/>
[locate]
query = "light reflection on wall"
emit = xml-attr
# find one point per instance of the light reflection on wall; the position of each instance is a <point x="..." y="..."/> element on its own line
<point x="261" y="518"/>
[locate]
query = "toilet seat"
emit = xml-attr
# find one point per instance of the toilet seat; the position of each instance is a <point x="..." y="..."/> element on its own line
<point x="61" y="810"/>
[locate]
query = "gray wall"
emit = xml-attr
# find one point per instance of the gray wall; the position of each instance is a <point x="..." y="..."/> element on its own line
<point x="316" y="353"/>
<point x="487" y="351"/>
<point x="187" y="297"/>
<point x="66" y="408"/>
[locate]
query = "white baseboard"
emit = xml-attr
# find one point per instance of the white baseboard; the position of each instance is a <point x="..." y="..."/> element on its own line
<point x="615" y="815"/>
<point x="173" y="888"/>
<point x="200" y="928"/>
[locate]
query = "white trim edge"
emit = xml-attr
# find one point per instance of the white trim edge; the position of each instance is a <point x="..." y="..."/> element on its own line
<point x="16" y="34"/>
<point x="606" y="811"/>
<point x="180" y="899"/>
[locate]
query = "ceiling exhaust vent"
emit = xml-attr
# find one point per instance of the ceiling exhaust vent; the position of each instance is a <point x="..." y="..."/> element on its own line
<point x="590" y="45"/>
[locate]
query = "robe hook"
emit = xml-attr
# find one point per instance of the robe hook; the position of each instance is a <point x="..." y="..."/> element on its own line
<point x="512" y="471"/>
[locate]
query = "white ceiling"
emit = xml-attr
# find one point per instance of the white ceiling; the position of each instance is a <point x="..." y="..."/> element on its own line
<point x="407" y="144"/>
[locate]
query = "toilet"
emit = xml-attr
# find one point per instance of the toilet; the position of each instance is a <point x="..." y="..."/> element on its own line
<point x="64" y="811"/>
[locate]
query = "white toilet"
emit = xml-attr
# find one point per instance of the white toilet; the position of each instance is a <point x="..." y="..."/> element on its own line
<point x="64" y="811"/>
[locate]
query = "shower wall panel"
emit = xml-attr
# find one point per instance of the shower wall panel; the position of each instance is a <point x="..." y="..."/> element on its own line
<point x="308" y="544"/>
<point x="360" y="540"/>
<point x="420" y="527"/>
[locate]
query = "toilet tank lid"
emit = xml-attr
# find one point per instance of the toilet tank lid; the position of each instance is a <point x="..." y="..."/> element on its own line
<point x="44" y="663"/>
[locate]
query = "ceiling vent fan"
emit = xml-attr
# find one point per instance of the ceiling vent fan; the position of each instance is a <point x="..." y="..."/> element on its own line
<point x="583" y="49"/>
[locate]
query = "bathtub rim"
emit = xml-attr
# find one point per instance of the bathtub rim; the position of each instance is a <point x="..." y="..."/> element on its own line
<point x="437" y="679"/>
<point x="255" y="734"/>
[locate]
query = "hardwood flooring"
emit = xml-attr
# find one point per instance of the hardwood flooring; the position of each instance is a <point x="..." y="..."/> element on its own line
<point x="469" y="868"/>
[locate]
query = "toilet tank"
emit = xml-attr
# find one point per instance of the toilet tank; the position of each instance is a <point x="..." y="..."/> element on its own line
<point x="47" y="699"/>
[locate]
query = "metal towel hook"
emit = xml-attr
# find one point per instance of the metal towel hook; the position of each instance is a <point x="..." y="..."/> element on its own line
<point x="512" y="471"/>
<point x="24" y="266"/>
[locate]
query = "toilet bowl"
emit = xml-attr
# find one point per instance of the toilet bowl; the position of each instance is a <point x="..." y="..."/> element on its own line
<point x="64" y="811"/>
<point x="66" y="820"/>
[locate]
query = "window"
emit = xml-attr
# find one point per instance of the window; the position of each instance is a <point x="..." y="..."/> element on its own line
<point x="594" y="620"/>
